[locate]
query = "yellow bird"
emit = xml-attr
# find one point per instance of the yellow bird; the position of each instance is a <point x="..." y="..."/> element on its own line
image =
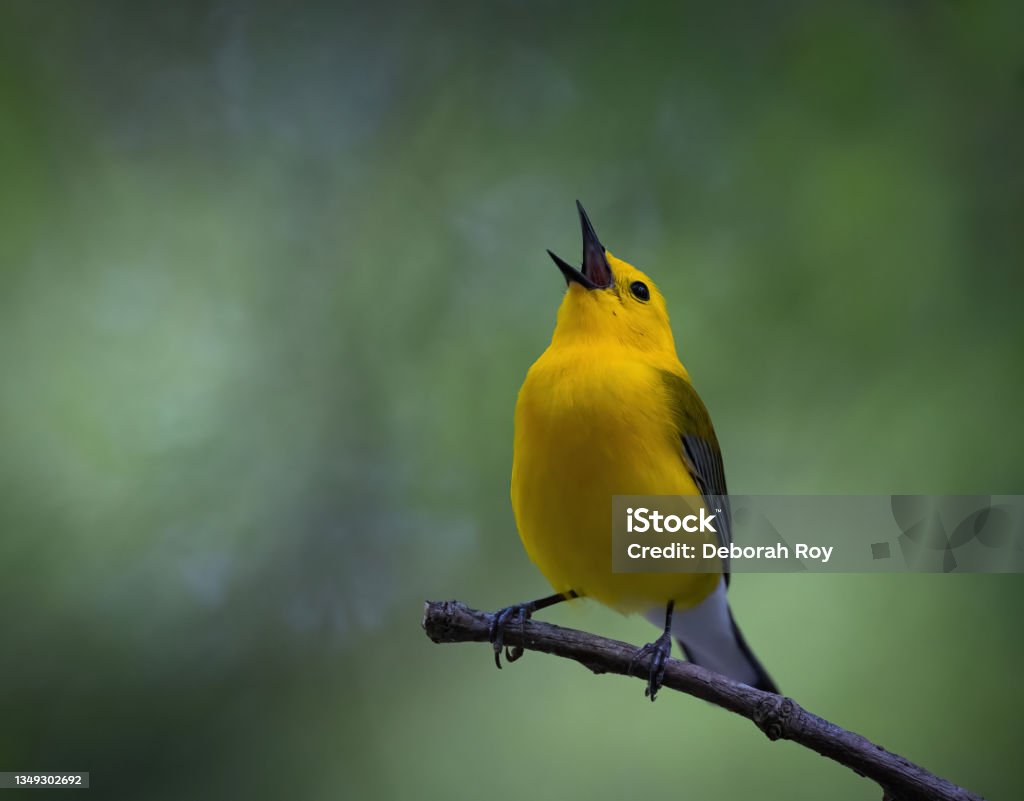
<point x="608" y="409"/>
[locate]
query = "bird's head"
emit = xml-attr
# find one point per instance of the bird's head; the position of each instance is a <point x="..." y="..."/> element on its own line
<point x="610" y="301"/>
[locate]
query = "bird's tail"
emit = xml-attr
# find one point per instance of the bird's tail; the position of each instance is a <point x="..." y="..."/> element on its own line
<point x="709" y="637"/>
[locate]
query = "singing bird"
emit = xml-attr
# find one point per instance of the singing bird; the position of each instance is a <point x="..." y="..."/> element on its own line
<point x="608" y="409"/>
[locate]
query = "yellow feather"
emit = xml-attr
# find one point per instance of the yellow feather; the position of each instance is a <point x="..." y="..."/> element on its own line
<point x="596" y="418"/>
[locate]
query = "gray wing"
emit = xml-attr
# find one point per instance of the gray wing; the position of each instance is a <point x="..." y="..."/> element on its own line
<point x="701" y="453"/>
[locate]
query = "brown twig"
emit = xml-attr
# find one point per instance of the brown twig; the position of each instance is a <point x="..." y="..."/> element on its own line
<point x="778" y="717"/>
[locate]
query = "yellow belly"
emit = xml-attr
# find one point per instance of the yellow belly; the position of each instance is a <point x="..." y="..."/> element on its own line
<point x="585" y="432"/>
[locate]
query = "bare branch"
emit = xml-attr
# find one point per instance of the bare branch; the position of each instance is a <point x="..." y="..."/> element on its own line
<point x="780" y="718"/>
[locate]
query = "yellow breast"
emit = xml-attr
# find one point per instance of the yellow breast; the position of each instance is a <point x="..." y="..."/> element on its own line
<point x="587" y="429"/>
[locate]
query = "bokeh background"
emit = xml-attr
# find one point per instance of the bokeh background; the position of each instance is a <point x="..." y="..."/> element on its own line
<point x="272" y="275"/>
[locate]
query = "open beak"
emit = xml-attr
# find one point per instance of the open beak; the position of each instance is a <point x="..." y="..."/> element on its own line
<point x="596" y="274"/>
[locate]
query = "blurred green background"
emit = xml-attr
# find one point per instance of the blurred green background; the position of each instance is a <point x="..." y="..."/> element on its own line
<point x="272" y="275"/>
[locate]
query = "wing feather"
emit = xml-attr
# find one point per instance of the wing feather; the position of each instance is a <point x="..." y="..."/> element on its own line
<point x="700" y="451"/>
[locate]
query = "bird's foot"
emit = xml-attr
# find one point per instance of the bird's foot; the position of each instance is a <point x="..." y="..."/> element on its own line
<point x="659" y="651"/>
<point x="517" y="613"/>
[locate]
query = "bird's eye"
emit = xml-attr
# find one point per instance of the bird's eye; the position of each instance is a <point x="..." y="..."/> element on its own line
<point x="640" y="290"/>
